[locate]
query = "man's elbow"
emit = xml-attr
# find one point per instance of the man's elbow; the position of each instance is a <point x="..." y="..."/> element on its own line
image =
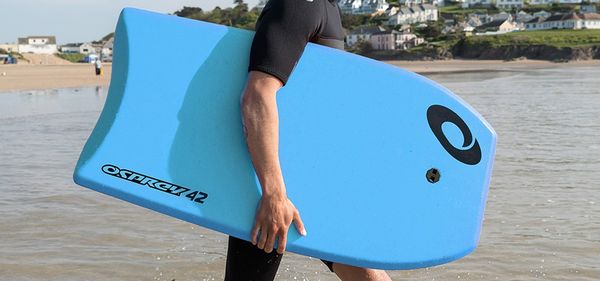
<point x="259" y="92"/>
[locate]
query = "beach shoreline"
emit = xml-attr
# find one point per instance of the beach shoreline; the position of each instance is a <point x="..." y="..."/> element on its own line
<point x="24" y="77"/>
<point x="466" y="66"/>
<point x="38" y="77"/>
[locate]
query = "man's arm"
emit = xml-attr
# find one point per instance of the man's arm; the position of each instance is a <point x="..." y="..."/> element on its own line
<point x="275" y="212"/>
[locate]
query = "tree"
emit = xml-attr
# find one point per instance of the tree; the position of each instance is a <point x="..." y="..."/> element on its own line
<point x="361" y="47"/>
<point x="431" y="31"/>
<point x="190" y="12"/>
<point x="239" y="16"/>
<point x="108" y="36"/>
<point x="350" y="21"/>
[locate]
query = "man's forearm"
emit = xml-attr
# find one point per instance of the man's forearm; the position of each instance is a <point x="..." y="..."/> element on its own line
<point x="275" y="212"/>
<point x="261" y="122"/>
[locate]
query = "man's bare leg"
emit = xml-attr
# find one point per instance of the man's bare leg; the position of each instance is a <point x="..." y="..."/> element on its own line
<point x="352" y="273"/>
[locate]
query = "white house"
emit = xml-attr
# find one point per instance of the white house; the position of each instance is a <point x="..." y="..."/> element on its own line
<point x="384" y="40"/>
<point x="394" y="40"/>
<point x="509" y="4"/>
<point x="38" y="45"/>
<point x="362" y="6"/>
<point x="566" y="21"/>
<point x="414" y="14"/>
<point x="497" y="27"/>
<point x="78" y="48"/>
<point x="406" y="40"/>
<point x="11" y="48"/>
<point x="590" y="20"/>
<point x="540" y="2"/>
<point x="362" y="33"/>
<point x="534" y="24"/>
<point x="70" y="48"/>
<point x="350" y="6"/>
<point x="372" y="6"/>
<point x="392" y="10"/>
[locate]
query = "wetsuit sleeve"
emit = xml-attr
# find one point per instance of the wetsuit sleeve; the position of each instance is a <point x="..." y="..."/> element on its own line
<point x="282" y="31"/>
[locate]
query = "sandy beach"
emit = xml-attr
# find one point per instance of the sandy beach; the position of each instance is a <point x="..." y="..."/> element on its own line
<point x="32" y="77"/>
<point x="22" y="77"/>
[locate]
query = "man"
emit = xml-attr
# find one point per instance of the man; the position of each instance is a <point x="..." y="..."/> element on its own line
<point x="98" y="66"/>
<point x="282" y="31"/>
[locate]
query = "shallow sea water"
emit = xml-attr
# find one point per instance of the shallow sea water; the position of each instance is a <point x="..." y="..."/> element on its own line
<point x="542" y="220"/>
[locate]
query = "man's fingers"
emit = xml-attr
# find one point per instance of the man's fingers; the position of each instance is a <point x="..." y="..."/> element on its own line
<point x="282" y="242"/>
<point x="271" y="241"/>
<point x="262" y="240"/>
<point x="254" y="233"/>
<point x="299" y="224"/>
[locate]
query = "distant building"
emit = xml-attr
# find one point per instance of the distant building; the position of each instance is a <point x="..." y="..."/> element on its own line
<point x="496" y="27"/>
<point x="107" y="50"/>
<point x="534" y="24"/>
<point x="509" y="4"/>
<point x="523" y="17"/>
<point x="438" y="3"/>
<point x="540" y="2"/>
<point x="500" y="16"/>
<point x="394" y="40"/>
<point x="362" y="6"/>
<point x="588" y="9"/>
<point x="362" y="33"/>
<point x="566" y="21"/>
<point x="414" y="14"/>
<point x="38" y="45"/>
<point x="11" y="48"/>
<point x="77" y="48"/>
<point x="473" y="21"/>
<point x="542" y="14"/>
<point x="475" y="3"/>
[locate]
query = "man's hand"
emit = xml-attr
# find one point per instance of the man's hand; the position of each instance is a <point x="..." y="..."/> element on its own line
<point x="273" y="218"/>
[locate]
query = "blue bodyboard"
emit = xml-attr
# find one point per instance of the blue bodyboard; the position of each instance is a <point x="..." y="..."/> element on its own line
<point x="387" y="168"/>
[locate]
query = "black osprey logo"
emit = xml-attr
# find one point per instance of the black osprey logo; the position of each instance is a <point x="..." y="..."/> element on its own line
<point x="470" y="152"/>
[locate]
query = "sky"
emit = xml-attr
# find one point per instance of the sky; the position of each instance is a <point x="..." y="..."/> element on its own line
<point x="73" y="21"/>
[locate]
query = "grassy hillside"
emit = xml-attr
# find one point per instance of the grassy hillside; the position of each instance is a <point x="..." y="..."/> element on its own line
<point x="555" y="38"/>
<point x="457" y="9"/>
<point x="71" y="57"/>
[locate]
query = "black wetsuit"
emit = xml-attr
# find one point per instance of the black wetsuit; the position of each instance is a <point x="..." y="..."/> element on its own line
<point x="282" y="31"/>
<point x="285" y="27"/>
